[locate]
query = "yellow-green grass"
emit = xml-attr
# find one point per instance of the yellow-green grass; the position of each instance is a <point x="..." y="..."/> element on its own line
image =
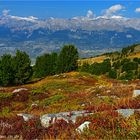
<point x="97" y="59"/>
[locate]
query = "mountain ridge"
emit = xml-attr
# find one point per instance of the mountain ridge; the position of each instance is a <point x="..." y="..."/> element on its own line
<point x="92" y="36"/>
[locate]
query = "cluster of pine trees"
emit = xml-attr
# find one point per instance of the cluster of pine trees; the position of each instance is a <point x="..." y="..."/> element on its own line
<point x="97" y="68"/>
<point x="50" y="64"/>
<point x="120" y="68"/>
<point x="17" y="69"/>
<point x="127" y="69"/>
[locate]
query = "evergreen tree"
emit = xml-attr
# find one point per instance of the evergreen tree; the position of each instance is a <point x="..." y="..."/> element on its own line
<point x="45" y="65"/>
<point x="129" y="66"/>
<point x="116" y="65"/>
<point x="106" y="66"/>
<point x="68" y="59"/>
<point x="53" y="59"/>
<point x="6" y="70"/>
<point x="22" y="67"/>
<point x="112" y="74"/>
<point x="85" y="67"/>
<point x="136" y="60"/>
<point x="96" y="69"/>
<point x="39" y="68"/>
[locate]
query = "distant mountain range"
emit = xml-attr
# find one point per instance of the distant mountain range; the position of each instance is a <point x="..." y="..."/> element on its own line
<point x="92" y="36"/>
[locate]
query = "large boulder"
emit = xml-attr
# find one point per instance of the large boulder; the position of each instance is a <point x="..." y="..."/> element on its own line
<point x="48" y="119"/>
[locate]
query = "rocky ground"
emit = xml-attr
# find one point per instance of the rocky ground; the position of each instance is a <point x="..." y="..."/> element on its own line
<point x="71" y="106"/>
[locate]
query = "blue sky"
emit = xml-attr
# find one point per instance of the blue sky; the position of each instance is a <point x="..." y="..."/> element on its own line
<point x="68" y="9"/>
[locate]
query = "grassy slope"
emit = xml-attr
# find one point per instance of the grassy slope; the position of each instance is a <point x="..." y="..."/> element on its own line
<point x="78" y="91"/>
<point x="65" y="92"/>
<point x="98" y="59"/>
<point x="73" y="88"/>
<point x="75" y="91"/>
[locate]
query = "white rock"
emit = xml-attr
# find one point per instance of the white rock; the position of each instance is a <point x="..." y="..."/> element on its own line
<point x="26" y="117"/>
<point x="34" y="105"/>
<point x="136" y="93"/>
<point x="126" y="112"/>
<point x="46" y="120"/>
<point x="20" y="89"/>
<point x="83" y="126"/>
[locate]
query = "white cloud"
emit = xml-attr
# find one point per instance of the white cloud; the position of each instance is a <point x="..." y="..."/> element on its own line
<point x="5" y="12"/>
<point x="113" y="9"/>
<point x="90" y="14"/>
<point x="117" y="17"/>
<point x="30" y="18"/>
<point x="137" y="10"/>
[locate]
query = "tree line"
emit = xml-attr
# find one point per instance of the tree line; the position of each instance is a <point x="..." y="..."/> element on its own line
<point x="15" y="70"/>
<point x="50" y="64"/>
<point x="122" y="67"/>
<point x="125" y="69"/>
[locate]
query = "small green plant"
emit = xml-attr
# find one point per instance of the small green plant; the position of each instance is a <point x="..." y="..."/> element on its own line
<point x="36" y="91"/>
<point x="5" y="112"/>
<point x="5" y="95"/>
<point x="53" y="99"/>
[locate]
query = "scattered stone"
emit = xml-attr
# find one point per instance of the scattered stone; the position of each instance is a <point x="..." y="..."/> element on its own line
<point x="16" y="137"/>
<point x="82" y="105"/>
<point x="2" y="137"/>
<point x="19" y="90"/>
<point x="83" y="126"/>
<point x="26" y="117"/>
<point x="59" y="89"/>
<point x="108" y="91"/>
<point x="64" y="76"/>
<point x="112" y="96"/>
<point x="136" y="93"/>
<point x="56" y="75"/>
<point x="100" y="87"/>
<point x="127" y="112"/>
<point x="34" y="105"/>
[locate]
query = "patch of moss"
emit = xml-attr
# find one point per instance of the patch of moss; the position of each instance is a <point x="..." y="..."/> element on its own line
<point x="5" y="95"/>
<point x="37" y="91"/>
<point x="52" y="100"/>
<point x="5" y="112"/>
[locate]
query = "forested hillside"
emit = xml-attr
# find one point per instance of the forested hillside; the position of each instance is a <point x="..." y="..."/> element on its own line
<point x="123" y="65"/>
